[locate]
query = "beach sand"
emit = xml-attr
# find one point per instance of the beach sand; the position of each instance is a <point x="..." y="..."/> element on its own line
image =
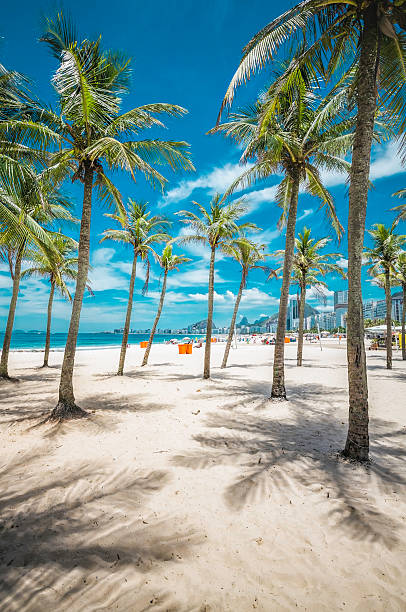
<point x="184" y="495"/>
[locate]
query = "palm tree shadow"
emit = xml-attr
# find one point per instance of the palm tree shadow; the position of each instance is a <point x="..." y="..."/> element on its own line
<point x="87" y="522"/>
<point x="276" y="457"/>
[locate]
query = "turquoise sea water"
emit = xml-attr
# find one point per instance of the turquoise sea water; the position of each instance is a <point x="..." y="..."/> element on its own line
<point x="36" y="340"/>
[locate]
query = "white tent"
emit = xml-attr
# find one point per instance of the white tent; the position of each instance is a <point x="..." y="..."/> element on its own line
<point x="381" y="329"/>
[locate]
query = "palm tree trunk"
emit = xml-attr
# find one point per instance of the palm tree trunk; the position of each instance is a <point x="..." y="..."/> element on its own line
<point x="49" y="317"/>
<point x="403" y="323"/>
<point x="126" y="331"/>
<point x="301" y="322"/>
<point x="357" y="444"/>
<point x="10" y="320"/>
<point x="388" y="298"/>
<point x="278" y="383"/>
<point x="207" y="348"/>
<point x="66" y="407"/>
<point x="233" y="318"/>
<point x="158" y="315"/>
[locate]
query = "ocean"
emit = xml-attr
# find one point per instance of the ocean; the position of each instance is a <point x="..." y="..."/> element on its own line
<point x="35" y="340"/>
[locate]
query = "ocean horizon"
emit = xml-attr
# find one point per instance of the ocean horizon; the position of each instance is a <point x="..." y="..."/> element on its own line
<point x="35" y="340"/>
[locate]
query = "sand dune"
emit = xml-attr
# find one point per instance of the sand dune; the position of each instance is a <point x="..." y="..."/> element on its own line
<point x="183" y="495"/>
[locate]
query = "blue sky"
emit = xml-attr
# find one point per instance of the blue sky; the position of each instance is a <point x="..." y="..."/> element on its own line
<point x="185" y="53"/>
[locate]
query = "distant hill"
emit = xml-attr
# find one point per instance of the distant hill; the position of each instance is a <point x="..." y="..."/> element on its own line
<point x="264" y="321"/>
<point x="199" y="325"/>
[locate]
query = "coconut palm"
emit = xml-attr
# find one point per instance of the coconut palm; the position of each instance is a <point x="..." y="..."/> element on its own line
<point x="168" y="262"/>
<point x="367" y="37"/>
<point x="140" y="231"/>
<point x="400" y="279"/>
<point x="90" y="134"/>
<point x="303" y="137"/>
<point x="401" y="209"/>
<point x="249" y="255"/>
<point x="215" y="226"/>
<point x="309" y="265"/>
<point x="32" y="205"/>
<point x="382" y="259"/>
<point x="57" y="269"/>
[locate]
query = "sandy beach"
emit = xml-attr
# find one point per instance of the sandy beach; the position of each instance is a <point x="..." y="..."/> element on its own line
<point x="182" y="495"/>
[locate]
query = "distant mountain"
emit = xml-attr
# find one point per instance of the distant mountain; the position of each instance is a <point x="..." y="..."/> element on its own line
<point x="264" y="321"/>
<point x="199" y="325"/>
<point x="244" y="321"/>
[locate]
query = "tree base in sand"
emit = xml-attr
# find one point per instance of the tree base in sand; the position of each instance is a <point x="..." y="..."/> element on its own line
<point x="354" y="452"/>
<point x="64" y="411"/>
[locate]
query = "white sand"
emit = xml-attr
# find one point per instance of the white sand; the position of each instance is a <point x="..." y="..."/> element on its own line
<point x="182" y="495"/>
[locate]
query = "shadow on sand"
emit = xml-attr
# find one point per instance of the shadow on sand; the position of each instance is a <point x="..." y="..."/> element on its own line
<point x="274" y="457"/>
<point x="80" y="533"/>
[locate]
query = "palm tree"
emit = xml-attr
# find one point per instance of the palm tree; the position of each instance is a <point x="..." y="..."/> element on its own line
<point x="400" y="279"/>
<point x="140" y="231"/>
<point x="57" y="269"/>
<point x="304" y="136"/>
<point x="168" y="262"/>
<point x="249" y="255"/>
<point x="382" y="258"/>
<point x="90" y="134"/>
<point x="29" y="206"/>
<point x="367" y="37"/>
<point x="309" y="264"/>
<point x="215" y="226"/>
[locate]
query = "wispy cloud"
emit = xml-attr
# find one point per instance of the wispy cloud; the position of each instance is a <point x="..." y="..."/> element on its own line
<point x="216" y="180"/>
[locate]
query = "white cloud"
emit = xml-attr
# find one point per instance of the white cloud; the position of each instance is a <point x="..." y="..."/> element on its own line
<point x="387" y="162"/>
<point x="343" y="263"/>
<point x="103" y="255"/>
<point x="5" y="281"/>
<point x="216" y="180"/>
<point x="256" y="297"/>
<point x="254" y="199"/>
<point x="195" y="277"/>
<point x="306" y="213"/>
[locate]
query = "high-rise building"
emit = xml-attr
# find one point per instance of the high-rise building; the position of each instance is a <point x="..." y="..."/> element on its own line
<point x="340" y="307"/>
<point x="326" y="320"/>
<point x="369" y="309"/>
<point x="292" y="319"/>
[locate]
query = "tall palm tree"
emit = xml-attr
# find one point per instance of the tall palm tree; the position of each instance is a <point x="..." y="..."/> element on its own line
<point x="31" y="206"/>
<point x="168" y="262"/>
<point x="309" y="265"/>
<point x="401" y="209"/>
<point x="249" y="255"/>
<point x="304" y="136"/>
<point x="90" y="134"/>
<point x="57" y="269"/>
<point x="382" y="258"/>
<point x="400" y="279"/>
<point x="140" y="231"/>
<point x="215" y="226"/>
<point x="368" y="37"/>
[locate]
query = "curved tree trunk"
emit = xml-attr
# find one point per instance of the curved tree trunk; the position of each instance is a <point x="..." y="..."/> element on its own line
<point x="127" y="318"/>
<point x="403" y="323"/>
<point x="10" y="320"/>
<point x="301" y="322"/>
<point x="158" y="315"/>
<point x="49" y="317"/>
<point x="66" y="407"/>
<point x="207" y="348"/>
<point x="388" y="298"/>
<point x="357" y="444"/>
<point x="278" y="383"/>
<point x="233" y="318"/>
